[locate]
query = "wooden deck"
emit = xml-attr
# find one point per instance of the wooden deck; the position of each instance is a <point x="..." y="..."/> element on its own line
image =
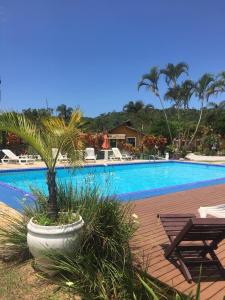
<point x="150" y="239"/>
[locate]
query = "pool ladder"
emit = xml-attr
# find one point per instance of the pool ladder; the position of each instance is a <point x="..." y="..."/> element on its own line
<point x="152" y="157"/>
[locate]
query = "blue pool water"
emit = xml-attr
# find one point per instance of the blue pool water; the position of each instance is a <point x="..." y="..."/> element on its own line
<point x="129" y="181"/>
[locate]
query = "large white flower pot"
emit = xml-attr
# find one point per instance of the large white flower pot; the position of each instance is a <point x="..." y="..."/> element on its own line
<point x="64" y="239"/>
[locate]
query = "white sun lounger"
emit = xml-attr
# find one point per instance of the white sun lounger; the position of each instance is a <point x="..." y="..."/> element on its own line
<point x="90" y="154"/>
<point x="204" y="158"/>
<point x="117" y="155"/>
<point x="61" y="157"/>
<point x="217" y="211"/>
<point x="10" y="157"/>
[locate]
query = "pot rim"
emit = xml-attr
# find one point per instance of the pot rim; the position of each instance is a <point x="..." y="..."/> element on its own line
<point x="54" y="229"/>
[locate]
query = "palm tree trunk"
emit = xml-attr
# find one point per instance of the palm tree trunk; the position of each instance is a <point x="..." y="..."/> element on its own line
<point x="197" y="126"/>
<point x="52" y="191"/>
<point x="166" y="118"/>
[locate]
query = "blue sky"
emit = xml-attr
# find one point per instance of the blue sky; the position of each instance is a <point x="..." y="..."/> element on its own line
<point x="91" y="53"/>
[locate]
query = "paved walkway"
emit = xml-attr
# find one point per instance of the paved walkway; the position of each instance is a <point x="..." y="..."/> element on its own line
<point x="40" y="164"/>
<point x="150" y="237"/>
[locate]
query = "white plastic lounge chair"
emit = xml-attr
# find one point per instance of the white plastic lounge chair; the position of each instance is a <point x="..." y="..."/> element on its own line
<point x="10" y="157"/>
<point x="90" y="154"/>
<point x="204" y="158"/>
<point x="117" y="155"/>
<point x="217" y="211"/>
<point x="61" y="157"/>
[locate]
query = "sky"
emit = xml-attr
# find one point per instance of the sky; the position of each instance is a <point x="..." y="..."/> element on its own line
<point x="92" y="53"/>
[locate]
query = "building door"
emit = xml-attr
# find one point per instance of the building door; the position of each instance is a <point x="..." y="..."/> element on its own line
<point x="113" y="143"/>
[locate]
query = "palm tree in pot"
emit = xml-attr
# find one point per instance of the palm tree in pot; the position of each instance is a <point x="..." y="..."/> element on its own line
<point x="52" y="133"/>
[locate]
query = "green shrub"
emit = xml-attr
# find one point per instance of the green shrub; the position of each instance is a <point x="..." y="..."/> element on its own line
<point x="13" y="239"/>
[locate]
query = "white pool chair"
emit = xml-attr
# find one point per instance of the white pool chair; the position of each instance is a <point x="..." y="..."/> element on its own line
<point x="217" y="211"/>
<point x="61" y="157"/>
<point x="10" y="157"/>
<point x="204" y="158"/>
<point x="117" y="155"/>
<point x="90" y="154"/>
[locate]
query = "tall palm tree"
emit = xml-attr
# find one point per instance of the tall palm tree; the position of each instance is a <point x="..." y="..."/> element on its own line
<point x="173" y="72"/>
<point x="204" y="88"/>
<point x="187" y="91"/>
<point x="150" y="81"/>
<point x="181" y="94"/>
<point x="53" y="133"/>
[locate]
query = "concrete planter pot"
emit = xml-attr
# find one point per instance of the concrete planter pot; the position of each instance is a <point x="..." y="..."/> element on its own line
<point x="64" y="239"/>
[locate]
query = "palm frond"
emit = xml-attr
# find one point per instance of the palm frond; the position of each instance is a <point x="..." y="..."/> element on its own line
<point x="173" y="72"/>
<point x="26" y="130"/>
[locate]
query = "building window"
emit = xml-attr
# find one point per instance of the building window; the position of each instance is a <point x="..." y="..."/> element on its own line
<point x="113" y="143"/>
<point x="131" y="141"/>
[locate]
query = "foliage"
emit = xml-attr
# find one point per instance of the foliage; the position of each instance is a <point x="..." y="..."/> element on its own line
<point x="64" y="112"/>
<point x="63" y="219"/>
<point x="209" y="143"/>
<point x="13" y="239"/>
<point x="93" y="140"/>
<point x="151" y="142"/>
<point x="134" y="107"/>
<point x="37" y="115"/>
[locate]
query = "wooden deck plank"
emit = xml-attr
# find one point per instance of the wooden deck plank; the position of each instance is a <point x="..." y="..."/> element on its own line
<point x="150" y="237"/>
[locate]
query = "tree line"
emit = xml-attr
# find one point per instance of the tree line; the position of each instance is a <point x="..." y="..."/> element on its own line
<point x="175" y="120"/>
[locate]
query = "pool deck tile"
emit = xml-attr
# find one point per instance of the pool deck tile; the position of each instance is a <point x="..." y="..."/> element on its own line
<point x="150" y="237"/>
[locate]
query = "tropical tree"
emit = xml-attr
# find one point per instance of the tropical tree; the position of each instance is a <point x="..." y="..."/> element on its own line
<point x="53" y="133"/>
<point x="205" y="87"/>
<point x="37" y="115"/>
<point x="173" y="72"/>
<point x="64" y="112"/>
<point x="181" y="95"/>
<point x="150" y="81"/>
<point x="133" y="107"/>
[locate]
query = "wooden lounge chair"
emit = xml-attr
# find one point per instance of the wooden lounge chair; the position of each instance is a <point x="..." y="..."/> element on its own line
<point x="193" y="240"/>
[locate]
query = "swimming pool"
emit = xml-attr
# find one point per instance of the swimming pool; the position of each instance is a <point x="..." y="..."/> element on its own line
<point x="128" y="181"/>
